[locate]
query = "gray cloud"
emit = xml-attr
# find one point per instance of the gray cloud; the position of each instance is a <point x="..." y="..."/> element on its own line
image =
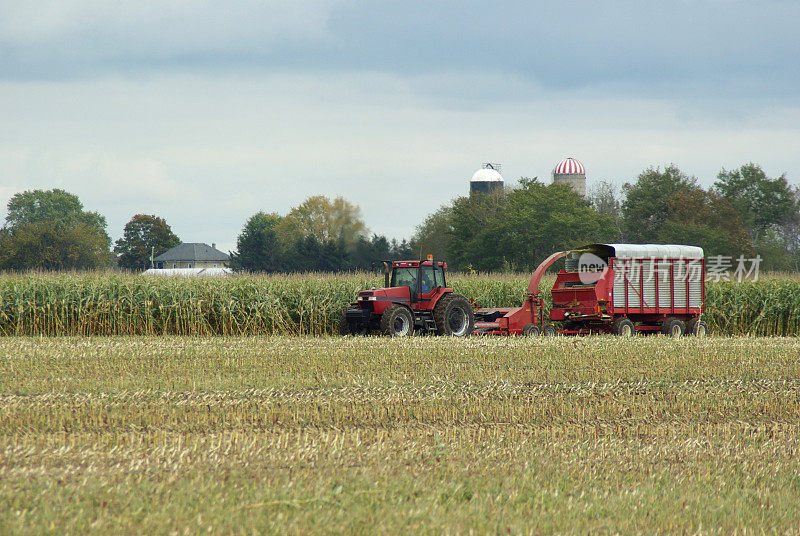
<point x="663" y="48"/>
<point x="60" y="39"/>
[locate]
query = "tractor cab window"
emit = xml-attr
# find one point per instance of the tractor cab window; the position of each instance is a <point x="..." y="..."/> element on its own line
<point x="405" y="277"/>
<point x="427" y="279"/>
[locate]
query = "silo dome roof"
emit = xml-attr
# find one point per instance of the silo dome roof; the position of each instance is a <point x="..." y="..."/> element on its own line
<point x="569" y="166"/>
<point x="487" y="175"/>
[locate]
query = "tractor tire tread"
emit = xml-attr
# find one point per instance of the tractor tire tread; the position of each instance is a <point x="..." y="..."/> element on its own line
<point x="549" y="330"/>
<point x="531" y="330"/>
<point x="442" y="309"/>
<point x="390" y="314"/>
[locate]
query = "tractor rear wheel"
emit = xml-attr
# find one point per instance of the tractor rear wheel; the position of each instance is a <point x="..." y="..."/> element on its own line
<point x="673" y="327"/>
<point x="697" y="326"/>
<point x="397" y="321"/>
<point x="531" y="330"/>
<point x="623" y="327"/>
<point x="453" y="316"/>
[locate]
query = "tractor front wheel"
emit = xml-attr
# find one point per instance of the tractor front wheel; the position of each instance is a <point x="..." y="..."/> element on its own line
<point x="453" y="316"/>
<point x="397" y="321"/>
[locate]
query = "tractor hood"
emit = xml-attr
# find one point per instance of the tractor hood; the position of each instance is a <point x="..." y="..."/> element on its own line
<point x="385" y="294"/>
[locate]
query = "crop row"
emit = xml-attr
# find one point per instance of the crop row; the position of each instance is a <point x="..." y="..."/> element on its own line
<point x="115" y="304"/>
<point x="419" y="480"/>
<point x="623" y="406"/>
<point x="297" y="435"/>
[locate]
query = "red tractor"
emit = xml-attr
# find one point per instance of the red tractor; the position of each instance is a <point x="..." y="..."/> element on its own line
<point x="415" y="297"/>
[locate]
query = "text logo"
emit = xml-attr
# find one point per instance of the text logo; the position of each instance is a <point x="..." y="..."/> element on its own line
<point x="591" y="268"/>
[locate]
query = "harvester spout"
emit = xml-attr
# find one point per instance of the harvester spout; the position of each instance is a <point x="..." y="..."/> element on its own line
<point x="533" y="286"/>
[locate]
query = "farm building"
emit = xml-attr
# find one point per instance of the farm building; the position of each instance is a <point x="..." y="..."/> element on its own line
<point x="191" y="255"/>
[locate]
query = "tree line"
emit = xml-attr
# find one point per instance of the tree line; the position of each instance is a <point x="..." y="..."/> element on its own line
<point x="319" y="235"/>
<point x="50" y="230"/>
<point x="744" y="213"/>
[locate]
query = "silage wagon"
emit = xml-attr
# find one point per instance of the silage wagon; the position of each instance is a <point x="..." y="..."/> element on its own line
<point x="611" y="288"/>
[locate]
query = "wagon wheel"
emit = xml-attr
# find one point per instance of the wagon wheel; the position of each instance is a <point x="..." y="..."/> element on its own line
<point x="697" y="326"/>
<point x="531" y="330"/>
<point x="623" y="327"/>
<point x="673" y="327"/>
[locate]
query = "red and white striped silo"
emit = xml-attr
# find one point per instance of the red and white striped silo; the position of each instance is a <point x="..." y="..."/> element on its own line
<point x="572" y="173"/>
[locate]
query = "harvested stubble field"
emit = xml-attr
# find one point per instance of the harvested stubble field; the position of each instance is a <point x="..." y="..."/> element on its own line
<point x="423" y="435"/>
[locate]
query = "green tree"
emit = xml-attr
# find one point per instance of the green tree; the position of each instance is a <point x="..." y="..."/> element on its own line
<point x="604" y="197"/>
<point x="705" y="219"/>
<point x="144" y="235"/>
<point x="55" y="207"/>
<point x="308" y="254"/>
<point x="50" y="230"/>
<point x="264" y="245"/>
<point x="476" y="228"/>
<point x="379" y="248"/>
<point x="763" y="204"/>
<point x="42" y="246"/>
<point x="325" y="220"/>
<point x="646" y="207"/>
<point x="544" y="219"/>
<point x="670" y="207"/>
<point x="433" y="235"/>
<point x="258" y="248"/>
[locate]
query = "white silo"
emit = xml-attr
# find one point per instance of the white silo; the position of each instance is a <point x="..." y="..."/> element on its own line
<point x="572" y="173"/>
<point x="486" y="179"/>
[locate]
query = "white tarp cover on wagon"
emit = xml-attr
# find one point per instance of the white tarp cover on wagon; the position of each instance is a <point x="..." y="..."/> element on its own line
<point x="659" y="251"/>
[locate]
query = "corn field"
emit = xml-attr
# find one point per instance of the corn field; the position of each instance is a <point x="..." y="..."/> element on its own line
<point x="308" y="304"/>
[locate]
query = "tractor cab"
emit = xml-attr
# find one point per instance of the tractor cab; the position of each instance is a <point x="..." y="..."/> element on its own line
<point x="423" y="279"/>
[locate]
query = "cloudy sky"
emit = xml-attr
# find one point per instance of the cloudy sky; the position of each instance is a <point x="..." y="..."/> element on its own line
<point x="204" y="112"/>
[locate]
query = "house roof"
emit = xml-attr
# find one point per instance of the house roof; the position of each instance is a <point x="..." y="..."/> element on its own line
<point x="192" y="251"/>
